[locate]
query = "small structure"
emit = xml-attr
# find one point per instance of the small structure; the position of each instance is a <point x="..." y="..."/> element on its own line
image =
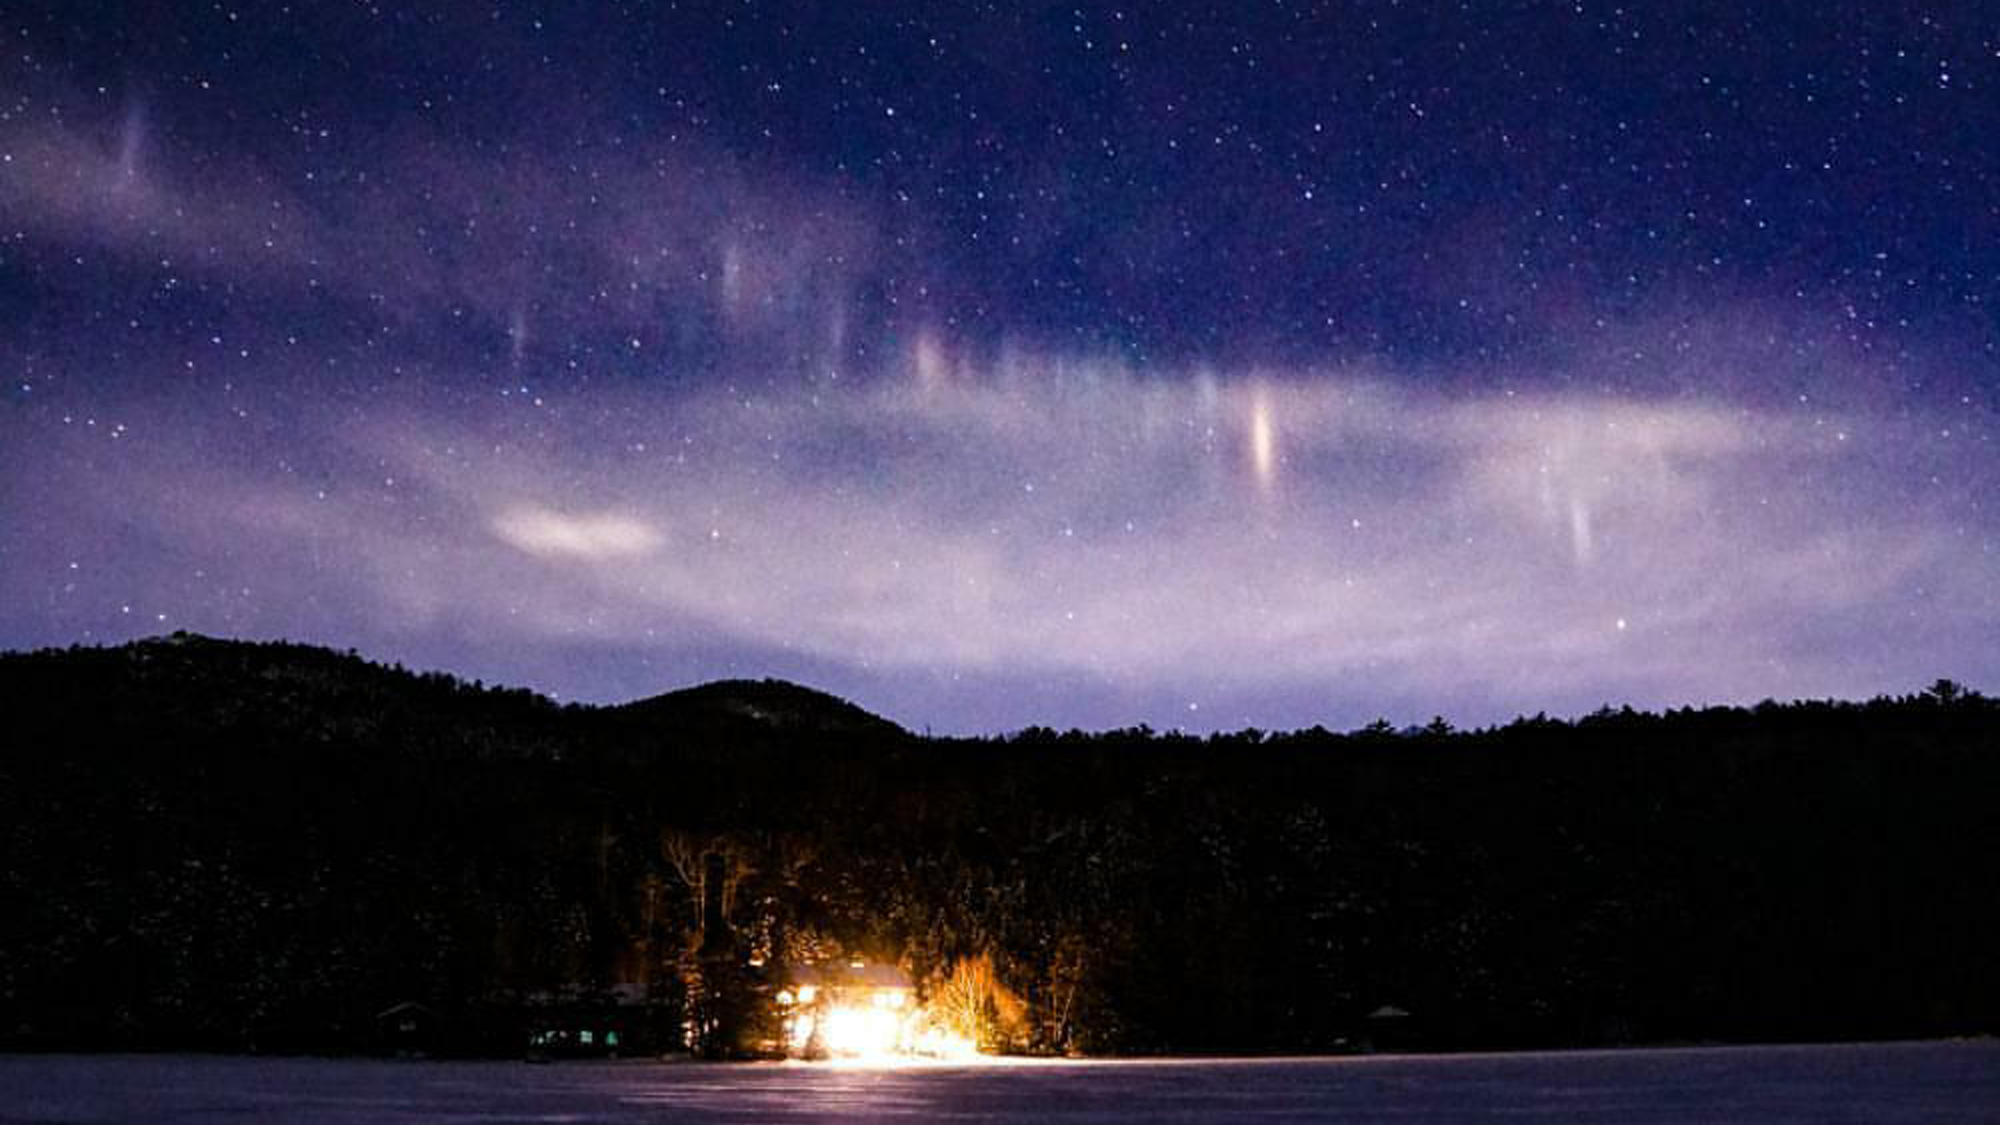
<point x="1390" y="1028"/>
<point x="575" y="1021"/>
<point x="407" y="1030"/>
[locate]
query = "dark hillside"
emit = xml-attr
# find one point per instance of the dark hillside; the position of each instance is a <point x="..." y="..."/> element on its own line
<point x="741" y="706"/>
<point x="227" y="845"/>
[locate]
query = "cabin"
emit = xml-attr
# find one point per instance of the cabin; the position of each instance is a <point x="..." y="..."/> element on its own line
<point x="602" y="1022"/>
<point x="844" y="1009"/>
<point x="740" y="1005"/>
<point x="407" y="1030"/>
<point x="1391" y="1028"/>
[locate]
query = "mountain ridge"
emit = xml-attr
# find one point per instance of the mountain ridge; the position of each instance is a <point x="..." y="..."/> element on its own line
<point x="768" y="704"/>
<point x="258" y="845"/>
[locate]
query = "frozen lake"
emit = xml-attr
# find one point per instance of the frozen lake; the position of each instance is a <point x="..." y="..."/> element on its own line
<point x="1873" y="1083"/>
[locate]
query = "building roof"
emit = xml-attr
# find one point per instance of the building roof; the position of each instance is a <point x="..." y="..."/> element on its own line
<point x="407" y="1007"/>
<point x="843" y="974"/>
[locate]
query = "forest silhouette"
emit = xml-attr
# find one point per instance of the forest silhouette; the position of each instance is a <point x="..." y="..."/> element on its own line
<point x="225" y="845"/>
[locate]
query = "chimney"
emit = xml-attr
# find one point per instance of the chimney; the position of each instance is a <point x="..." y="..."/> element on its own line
<point x="714" y="927"/>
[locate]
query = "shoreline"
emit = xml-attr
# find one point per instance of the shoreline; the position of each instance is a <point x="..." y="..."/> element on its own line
<point x="993" y="1062"/>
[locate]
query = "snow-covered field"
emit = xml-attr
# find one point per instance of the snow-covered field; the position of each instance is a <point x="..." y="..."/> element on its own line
<point x="1873" y="1083"/>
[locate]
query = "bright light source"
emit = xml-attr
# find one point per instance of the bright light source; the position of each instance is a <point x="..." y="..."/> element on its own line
<point x="862" y="1032"/>
<point x="856" y="1022"/>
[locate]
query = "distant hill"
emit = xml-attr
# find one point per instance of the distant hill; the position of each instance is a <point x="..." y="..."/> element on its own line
<point x="226" y="845"/>
<point x="770" y="706"/>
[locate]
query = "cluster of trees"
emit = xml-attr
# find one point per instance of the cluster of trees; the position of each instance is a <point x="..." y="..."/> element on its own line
<point x="261" y="846"/>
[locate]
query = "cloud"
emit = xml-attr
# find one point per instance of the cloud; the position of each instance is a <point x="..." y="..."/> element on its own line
<point x="554" y="534"/>
<point x="1138" y="536"/>
<point x="1229" y="535"/>
<point x="114" y="182"/>
<point x="669" y="258"/>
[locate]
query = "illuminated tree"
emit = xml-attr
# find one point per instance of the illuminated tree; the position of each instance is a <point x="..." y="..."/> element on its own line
<point x="970" y="1002"/>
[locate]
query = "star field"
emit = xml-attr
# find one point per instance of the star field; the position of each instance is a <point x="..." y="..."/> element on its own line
<point x="1206" y="366"/>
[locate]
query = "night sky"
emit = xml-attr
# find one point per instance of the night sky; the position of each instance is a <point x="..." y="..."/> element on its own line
<point x="1204" y="366"/>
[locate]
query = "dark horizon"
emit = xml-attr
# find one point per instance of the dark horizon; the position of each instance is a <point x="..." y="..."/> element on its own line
<point x="918" y="726"/>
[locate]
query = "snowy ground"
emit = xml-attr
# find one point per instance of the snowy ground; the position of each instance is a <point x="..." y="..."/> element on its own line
<point x="1928" y="1082"/>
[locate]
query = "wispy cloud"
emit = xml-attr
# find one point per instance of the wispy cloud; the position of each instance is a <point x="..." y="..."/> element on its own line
<point x="1218" y="537"/>
<point x="679" y="253"/>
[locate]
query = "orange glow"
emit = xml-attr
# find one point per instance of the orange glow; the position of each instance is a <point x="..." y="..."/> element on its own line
<point x="937" y="1043"/>
<point x="878" y="1028"/>
<point x="870" y="1014"/>
<point x="856" y="1032"/>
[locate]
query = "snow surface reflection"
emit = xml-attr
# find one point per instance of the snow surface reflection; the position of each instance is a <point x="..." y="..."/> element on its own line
<point x="1949" y="1082"/>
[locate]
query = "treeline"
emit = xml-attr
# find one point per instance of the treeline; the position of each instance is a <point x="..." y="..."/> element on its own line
<point x="233" y="846"/>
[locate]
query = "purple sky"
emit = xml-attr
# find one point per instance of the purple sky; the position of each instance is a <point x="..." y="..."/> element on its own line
<point x="1195" y="369"/>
